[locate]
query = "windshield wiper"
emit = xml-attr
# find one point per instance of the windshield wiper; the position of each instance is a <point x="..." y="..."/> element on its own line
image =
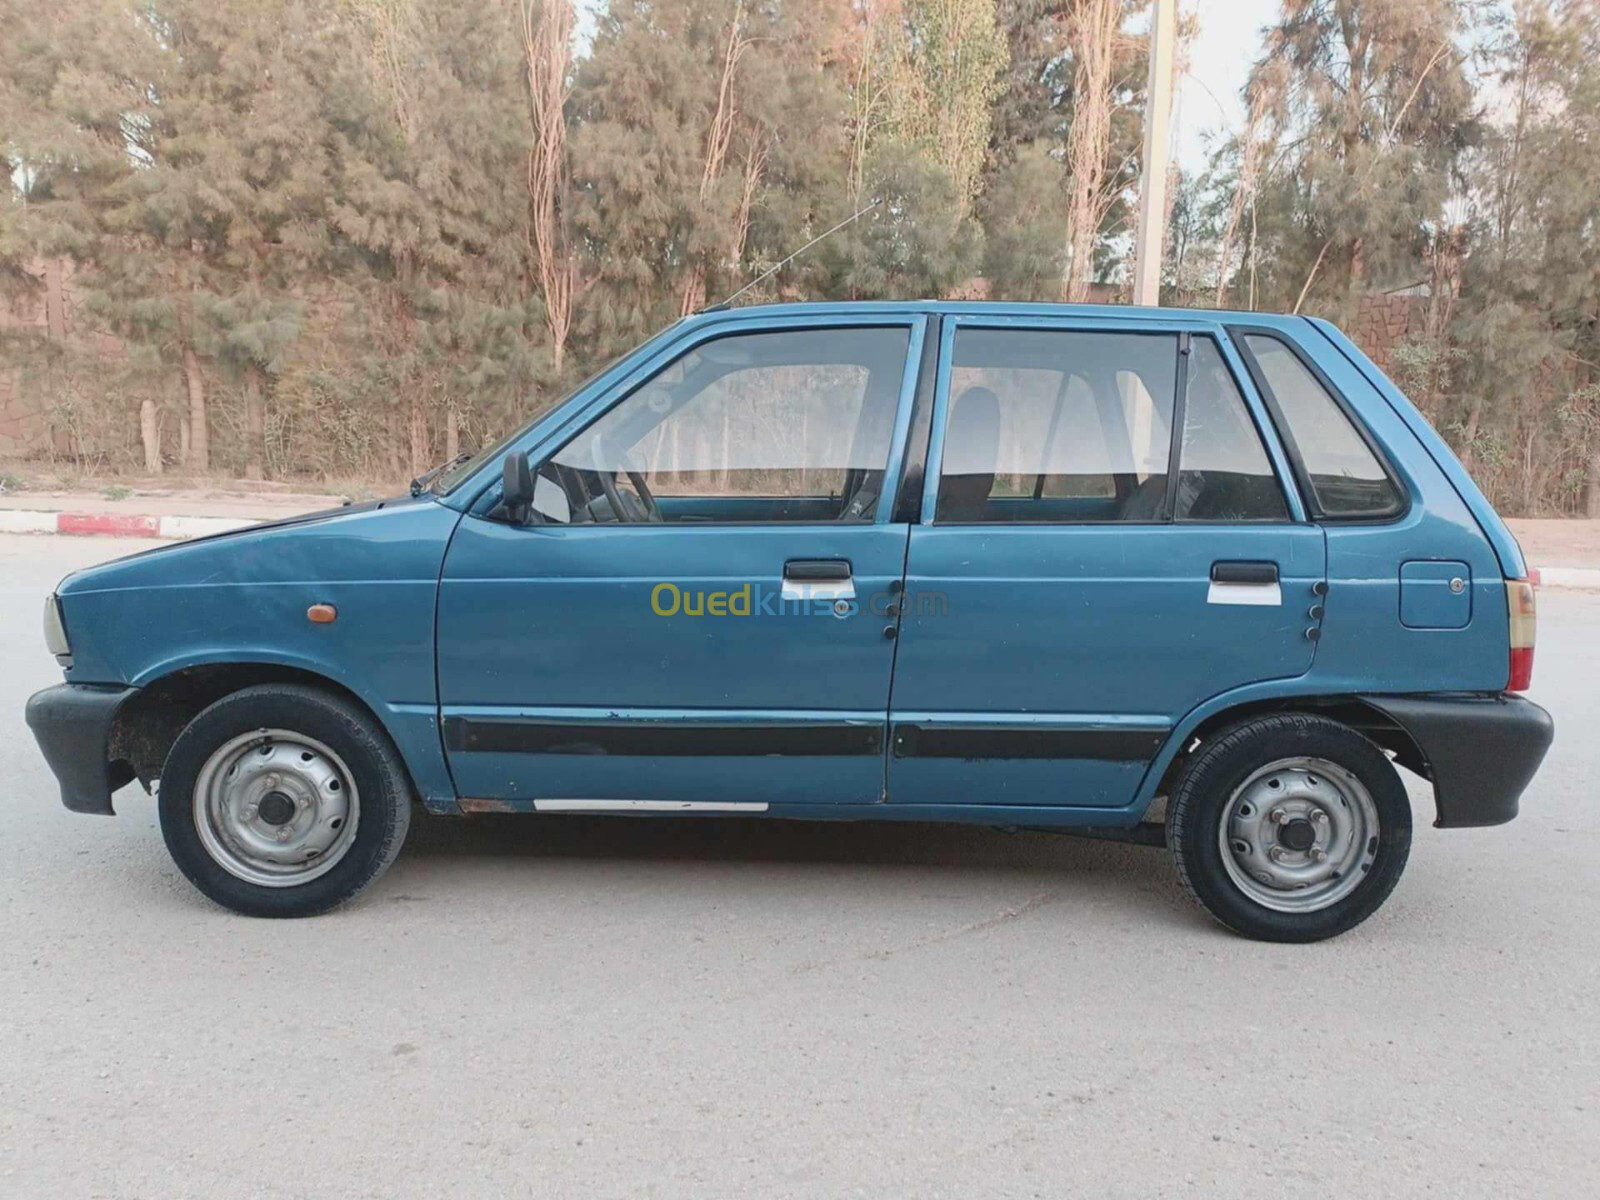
<point x="421" y="482"/>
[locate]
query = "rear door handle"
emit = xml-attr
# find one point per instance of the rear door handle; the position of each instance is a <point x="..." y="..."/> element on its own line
<point x="1244" y="582"/>
<point x="818" y="579"/>
<point x="814" y="570"/>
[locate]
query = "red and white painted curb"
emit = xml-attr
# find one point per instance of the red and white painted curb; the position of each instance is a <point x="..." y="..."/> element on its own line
<point x="1564" y="577"/>
<point x="84" y="524"/>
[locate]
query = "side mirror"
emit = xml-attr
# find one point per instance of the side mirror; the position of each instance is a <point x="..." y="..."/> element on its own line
<point x="517" y="486"/>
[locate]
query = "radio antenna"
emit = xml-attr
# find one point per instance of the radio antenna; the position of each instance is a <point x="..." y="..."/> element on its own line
<point x="778" y="266"/>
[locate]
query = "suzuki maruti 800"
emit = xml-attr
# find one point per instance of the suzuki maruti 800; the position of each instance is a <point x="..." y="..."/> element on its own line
<point x="1195" y="578"/>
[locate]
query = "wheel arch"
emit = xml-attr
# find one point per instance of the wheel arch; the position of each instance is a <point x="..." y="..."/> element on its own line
<point x="1348" y="709"/>
<point x="150" y="720"/>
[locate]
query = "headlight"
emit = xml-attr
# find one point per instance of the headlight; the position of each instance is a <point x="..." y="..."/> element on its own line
<point x="55" y="632"/>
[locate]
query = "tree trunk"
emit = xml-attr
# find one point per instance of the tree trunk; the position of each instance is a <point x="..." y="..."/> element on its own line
<point x="1591" y="508"/>
<point x="452" y="433"/>
<point x="391" y="443"/>
<point x="150" y="437"/>
<point x="1469" y="436"/>
<point x="1092" y="31"/>
<point x="718" y="138"/>
<point x="547" y="48"/>
<point x="1358" y="277"/>
<point x="255" y="424"/>
<point x="198" y="457"/>
<point x="1253" y="150"/>
<point x="55" y="298"/>
<point x="418" y="437"/>
<point x="694" y="291"/>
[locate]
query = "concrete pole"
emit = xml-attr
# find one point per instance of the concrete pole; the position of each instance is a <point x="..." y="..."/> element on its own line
<point x="1153" y="175"/>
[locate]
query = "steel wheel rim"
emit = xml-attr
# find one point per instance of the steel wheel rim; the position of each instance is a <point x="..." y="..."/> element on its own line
<point x="276" y="808"/>
<point x="1299" y="835"/>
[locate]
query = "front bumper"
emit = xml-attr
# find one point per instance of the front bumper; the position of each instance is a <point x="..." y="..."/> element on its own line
<point x="1480" y="751"/>
<point x="72" y="723"/>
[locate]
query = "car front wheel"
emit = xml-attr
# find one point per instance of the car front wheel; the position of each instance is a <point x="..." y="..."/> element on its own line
<point x="283" y="801"/>
<point x="1289" y="828"/>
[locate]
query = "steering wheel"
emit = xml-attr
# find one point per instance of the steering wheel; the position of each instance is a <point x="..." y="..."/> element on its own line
<point x="625" y="509"/>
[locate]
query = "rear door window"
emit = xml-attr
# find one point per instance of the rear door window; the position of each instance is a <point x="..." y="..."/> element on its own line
<point x="1224" y="473"/>
<point x="1057" y="427"/>
<point x="1346" y="477"/>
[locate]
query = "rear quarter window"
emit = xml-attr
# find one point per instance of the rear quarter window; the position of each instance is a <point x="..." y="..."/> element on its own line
<point x="1346" y="477"/>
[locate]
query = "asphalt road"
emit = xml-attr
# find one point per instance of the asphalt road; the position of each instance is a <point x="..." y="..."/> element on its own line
<point x="554" y="1007"/>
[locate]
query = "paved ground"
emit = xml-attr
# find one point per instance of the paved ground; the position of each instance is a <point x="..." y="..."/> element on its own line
<point x="561" y="1007"/>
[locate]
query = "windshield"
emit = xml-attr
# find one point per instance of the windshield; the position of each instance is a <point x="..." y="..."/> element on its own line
<point x="453" y="478"/>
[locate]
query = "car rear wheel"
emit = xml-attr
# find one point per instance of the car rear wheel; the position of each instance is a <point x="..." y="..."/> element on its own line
<point x="283" y="801"/>
<point x="1289" y="828"/>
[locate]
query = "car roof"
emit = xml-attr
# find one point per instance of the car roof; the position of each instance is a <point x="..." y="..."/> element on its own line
<point x="997" y="308"/>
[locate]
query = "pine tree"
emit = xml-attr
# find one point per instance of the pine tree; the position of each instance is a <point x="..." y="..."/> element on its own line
<point x="432" y="203"/>
<point x="1525" y="337"/>
<point x="1374" y="111"/>
<point x="1024" y="252"/>
<point x="954" y="58"/>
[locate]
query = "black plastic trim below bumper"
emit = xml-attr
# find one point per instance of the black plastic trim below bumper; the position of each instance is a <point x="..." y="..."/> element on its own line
<point x="72" y="724"/>
<point x="1480" y="751"/>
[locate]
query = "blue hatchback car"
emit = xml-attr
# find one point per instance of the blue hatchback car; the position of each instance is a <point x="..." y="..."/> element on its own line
<point x="1188" y="578"/>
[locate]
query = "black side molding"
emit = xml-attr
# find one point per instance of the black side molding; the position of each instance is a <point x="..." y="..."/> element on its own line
<point x="912" y="740"/>
<point x="666" y="739"/>
<point x="1480" y="751"/>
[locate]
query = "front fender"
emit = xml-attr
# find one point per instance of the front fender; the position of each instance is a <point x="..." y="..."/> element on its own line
<point x="245" y="599"/>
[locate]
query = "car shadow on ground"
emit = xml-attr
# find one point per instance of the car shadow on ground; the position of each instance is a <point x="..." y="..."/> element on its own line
<point x="1077" y="867"/>
<point x="756" y="839"/>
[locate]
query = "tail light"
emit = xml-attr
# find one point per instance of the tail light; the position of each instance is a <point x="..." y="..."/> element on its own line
<point x="1524" y="631"/>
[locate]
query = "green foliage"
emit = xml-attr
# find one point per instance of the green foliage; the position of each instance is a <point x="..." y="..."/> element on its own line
<point x="1525" y="338"/>
<point x="918" y="241"/>
<point x="1025" y="256"/>
<point x="1371" y="108"/>
<point x="304" y="226"/>
<point x="955" y="55"/>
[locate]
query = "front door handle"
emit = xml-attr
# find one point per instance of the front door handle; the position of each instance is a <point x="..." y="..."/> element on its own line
<point x="1241" y="571"/>
<point x="818" y="579"/>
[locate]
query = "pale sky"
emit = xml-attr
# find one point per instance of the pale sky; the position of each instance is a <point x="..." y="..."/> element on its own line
<point x="1225" y="47"/>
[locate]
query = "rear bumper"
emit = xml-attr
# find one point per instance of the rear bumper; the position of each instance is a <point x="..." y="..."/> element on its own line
<point x="1480" y="751"/>
<point x="72" y="724"/>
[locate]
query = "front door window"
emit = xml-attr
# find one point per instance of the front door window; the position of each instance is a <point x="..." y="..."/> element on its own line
<point x="790" y="426"/>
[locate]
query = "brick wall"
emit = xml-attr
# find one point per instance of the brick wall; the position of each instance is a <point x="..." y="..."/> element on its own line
<point x="1384" y="321"/>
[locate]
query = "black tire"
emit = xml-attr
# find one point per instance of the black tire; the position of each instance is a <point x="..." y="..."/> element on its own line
<point x="374" y="765"/>
<point x="1223" y="763"/>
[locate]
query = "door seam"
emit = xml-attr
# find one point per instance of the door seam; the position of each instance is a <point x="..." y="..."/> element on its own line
<point x="894" y="665"/>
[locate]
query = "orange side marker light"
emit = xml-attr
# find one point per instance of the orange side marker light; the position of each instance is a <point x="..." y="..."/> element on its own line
<point x="322" y="614"/>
